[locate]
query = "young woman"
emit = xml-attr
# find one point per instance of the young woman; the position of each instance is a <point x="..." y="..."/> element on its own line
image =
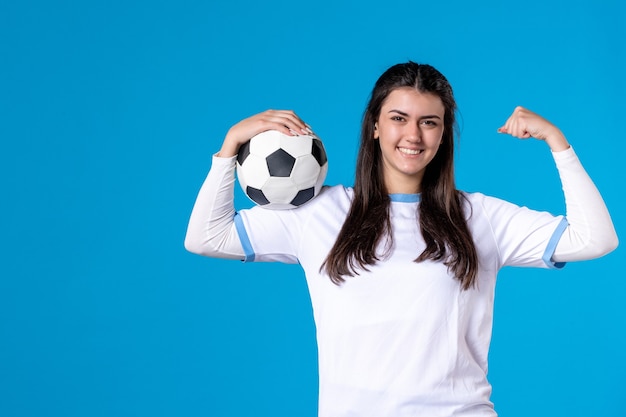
<point x="402" y="267"/>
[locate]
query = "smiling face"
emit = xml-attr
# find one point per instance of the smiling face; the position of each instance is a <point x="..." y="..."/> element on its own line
<point x="409" y="130"/>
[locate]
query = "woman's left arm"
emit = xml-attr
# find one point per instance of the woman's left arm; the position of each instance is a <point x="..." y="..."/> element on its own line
<point x="590" y="233"/>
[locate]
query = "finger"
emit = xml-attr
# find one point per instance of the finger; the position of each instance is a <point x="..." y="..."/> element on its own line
<point x="519" y="125"/>
<point x="280" y="124"/>
<point x="289" y="120"/>
<point x="508" y="125"/>
<point x="296" y="123"/>
<point x="514" y="128"/>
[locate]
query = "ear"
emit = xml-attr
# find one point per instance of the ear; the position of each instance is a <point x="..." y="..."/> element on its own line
<point x="376" y="135"/>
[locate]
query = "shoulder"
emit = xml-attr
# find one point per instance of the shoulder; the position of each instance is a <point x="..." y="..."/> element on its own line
<point x="486" y="203"/>
<point x="483" y="210"/>
<point x="330" y="197"/>
<point x="339" y="192"/>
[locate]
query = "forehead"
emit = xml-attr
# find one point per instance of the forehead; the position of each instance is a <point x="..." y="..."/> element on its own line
<point x="410" y="100"/>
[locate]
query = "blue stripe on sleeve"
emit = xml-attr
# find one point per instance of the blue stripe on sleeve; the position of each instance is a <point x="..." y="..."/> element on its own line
<point x="547" y="255"/>
<point x="245" y="240"/>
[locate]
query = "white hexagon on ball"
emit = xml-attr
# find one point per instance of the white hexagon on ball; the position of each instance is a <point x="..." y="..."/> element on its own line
<point x="256" y="163"/>
<point x="280" y="190"/>
<point x="306" y="171"/>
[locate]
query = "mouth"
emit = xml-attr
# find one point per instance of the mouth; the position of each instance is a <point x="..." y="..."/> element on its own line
<point x="407" y="151"/>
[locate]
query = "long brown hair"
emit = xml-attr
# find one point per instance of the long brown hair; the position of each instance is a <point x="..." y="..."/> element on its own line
<point x="441" y="216"/>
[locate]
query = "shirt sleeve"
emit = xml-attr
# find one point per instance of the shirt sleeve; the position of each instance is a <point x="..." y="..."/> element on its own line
<point x="270" y="235"/>
<point x="258" y="234"/>
<point x="211" y="230"/>
<point x="590" y="232"/>
<point x="523" y="237"/>
<point x="295" y="235"/>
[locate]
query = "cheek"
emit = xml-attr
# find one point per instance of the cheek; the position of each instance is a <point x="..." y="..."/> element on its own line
<point x="390" y="131"/>
<point x="437" y="137"/>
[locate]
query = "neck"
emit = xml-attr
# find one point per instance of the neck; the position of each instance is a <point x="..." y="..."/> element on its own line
<point x="403" y="185"/>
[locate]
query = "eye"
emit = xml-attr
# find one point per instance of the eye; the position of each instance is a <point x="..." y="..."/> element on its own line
<point x="429" y="122"/>
<point x="397" y="118"/>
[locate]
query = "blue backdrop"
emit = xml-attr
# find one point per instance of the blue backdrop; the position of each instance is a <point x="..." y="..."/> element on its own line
<point x="110" y="112"/>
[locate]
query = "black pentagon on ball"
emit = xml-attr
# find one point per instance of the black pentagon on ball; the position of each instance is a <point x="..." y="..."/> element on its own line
<point x="319" y="152"/>
<point x="257" y="196"/>
<point x="303" y="196"/>
<point x="244" y="151"/>
<point x="280" y="163"/>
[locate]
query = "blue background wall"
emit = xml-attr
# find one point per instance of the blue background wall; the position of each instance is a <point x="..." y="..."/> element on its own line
<point x="110" y="111"/>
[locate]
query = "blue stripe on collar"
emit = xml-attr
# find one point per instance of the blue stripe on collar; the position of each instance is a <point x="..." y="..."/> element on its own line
<point x="405" y="198"/>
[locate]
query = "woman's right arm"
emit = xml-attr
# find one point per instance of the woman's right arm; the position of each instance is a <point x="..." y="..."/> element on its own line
<point x="211" y="230"/>
<point x="590" y="232"/>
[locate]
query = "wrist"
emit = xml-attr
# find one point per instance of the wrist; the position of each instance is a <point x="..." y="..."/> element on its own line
<point x="228" y="151"/>
<point x="557" y="141"/>
<point x="229" y="148"/>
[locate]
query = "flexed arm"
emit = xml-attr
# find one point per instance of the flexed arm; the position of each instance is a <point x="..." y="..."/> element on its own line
<point x="590" y="233"/>
<point x="211" y="230"/>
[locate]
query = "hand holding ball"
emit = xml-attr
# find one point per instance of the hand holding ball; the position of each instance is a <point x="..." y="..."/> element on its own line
<point x="278" y="171"/>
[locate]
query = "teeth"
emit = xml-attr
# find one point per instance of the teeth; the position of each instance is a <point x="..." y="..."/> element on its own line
<point x="410" y="151"/>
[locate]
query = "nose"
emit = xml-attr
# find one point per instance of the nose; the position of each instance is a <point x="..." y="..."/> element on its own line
<point x="413" y="132"/>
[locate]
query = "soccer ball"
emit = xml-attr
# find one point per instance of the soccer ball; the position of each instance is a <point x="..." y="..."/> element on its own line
<point x="278" y="171"/>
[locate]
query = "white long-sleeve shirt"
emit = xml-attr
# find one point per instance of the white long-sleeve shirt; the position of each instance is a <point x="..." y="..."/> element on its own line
<point x="403" y="339"/>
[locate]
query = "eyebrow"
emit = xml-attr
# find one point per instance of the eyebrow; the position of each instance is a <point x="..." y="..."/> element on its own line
<point x="401" y="113"/>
